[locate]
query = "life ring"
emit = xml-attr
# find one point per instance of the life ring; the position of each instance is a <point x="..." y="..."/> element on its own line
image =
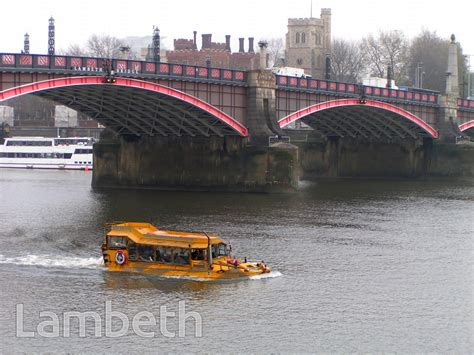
<point x="120" y="257"/>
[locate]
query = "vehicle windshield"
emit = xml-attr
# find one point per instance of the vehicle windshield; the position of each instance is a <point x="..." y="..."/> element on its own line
<point x="219" y="250"/>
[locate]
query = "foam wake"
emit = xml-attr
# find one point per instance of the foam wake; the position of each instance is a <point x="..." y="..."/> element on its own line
<point x="270" y="275"/>
<point x="53" y="261"/>
<point x="92" y="263"/>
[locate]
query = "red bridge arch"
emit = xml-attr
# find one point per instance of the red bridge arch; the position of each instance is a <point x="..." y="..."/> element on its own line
<point x="466" y="125"/>
<point x="364" y="118"/>
<point x="92" y="94"/>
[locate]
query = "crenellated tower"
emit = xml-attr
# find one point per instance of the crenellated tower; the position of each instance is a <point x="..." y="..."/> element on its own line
<point x="308" y="43"/>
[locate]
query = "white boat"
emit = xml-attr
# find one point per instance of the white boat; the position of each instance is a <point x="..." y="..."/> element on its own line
<point x="47" y="153"/>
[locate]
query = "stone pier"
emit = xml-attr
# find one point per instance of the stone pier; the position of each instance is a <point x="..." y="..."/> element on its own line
<point x="190" y="163"/>
<point x="448" y="125"/>
<point x="353" y="158"/>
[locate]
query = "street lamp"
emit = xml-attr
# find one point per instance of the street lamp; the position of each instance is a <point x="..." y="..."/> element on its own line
<point x="419" y="75"/>
<point x="470" y="92"/>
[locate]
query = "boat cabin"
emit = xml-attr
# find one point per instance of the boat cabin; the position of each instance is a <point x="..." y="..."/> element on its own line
<point x="144" y="243"/>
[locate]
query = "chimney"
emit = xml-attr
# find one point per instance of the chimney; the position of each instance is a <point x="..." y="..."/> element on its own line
<point x="206" y="41"/>
<point x="227" y="43"/>
<point x="241" y="45"/>
<point x="195" y="39"/>
<point x="251" y="45"/>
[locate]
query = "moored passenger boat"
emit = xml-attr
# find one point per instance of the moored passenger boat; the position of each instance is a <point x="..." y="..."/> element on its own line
<point x="74" y="153"/>
<point x="141" y="247"/>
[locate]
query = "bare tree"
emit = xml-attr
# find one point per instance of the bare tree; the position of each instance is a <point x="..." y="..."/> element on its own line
<point x="276" y="50"/>
<point x="395" y="47"/>
<point x="387" y="49"/>
<point x="347" y="61"/>
<point x="75" y="49"/>
<point x="104" y="46"/>
<point x="374" y="55"/>
<point x="429" y="53"/>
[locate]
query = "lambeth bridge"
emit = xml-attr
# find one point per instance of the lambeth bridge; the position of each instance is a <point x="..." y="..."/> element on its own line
<point x="173" y="125"/>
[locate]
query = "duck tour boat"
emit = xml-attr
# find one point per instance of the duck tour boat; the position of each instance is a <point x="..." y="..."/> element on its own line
<point x="142" y="248"/>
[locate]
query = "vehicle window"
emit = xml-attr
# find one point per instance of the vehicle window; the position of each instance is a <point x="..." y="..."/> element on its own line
<point x="219" y="250"/>
<point x="164" y="255"/>
<point x="198" y="254"/>
<point x="181" y="256"/>
<point x="132" y="251"/>
<point x="117" y="242"/>
<point x="146" y="253"/>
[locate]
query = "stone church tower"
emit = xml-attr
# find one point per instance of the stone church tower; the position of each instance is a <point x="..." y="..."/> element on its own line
<point x="308" y="43"/>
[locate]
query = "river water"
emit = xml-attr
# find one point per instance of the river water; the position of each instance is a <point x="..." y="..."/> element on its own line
<point x="366" y="266"/>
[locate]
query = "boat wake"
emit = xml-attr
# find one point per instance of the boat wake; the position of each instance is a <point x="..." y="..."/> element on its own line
<point x="95" y="263"/>
<point x="270" y="275"/>
<point x="53" y="261"/>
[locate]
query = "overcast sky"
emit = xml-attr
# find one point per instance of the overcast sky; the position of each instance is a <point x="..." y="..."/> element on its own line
<point x="351" y="19"/>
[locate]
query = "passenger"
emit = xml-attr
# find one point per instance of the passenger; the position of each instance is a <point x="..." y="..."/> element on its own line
<point x="182" y="258"/>
<point x="197" y="254"/>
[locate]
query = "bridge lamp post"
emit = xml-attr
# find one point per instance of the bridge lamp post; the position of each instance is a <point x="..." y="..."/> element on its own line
<point x="26" y="44"/>
<point x="419" y="75"/>
<point x="470" y="92"/>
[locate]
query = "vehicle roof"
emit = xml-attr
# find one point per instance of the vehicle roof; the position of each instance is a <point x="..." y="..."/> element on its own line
<point x="146" y="233"/>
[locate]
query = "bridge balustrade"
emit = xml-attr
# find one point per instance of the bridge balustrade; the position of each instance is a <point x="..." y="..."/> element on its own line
<point x="94" y="66"/>
<point x="466" y="104"/>
<point x="354" y="90"/>
<point x="63" y="64"/>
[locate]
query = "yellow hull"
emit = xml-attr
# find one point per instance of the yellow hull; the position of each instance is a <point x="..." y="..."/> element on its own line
<point x="217" y="272"/>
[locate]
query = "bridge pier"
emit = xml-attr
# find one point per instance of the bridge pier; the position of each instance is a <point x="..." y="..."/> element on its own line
<point x="193" y="163"/>
<point x="261" y="111"/>
<point x="448" y="125"/>
<point x="345" y="157"/>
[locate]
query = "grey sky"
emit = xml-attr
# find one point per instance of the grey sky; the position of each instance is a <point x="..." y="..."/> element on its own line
<point x="76" y="20"/>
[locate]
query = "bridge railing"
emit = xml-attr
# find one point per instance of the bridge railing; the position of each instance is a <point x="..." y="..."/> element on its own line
<point x="464" y="103"/>
<point x="93" y="65"/>
<point x="349" y="89"/>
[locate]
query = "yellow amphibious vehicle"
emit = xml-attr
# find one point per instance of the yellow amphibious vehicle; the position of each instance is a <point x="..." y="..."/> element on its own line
<point x="141" y="247"/>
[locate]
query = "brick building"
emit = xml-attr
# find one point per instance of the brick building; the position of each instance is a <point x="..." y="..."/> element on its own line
<point x="308" y="43"/>
<point x="213" y="54"/>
